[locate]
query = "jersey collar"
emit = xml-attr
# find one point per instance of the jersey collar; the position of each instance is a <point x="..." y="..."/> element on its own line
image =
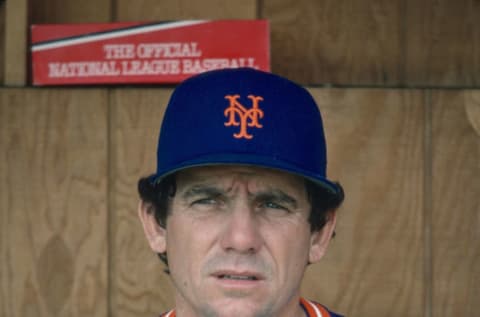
<point x="311" y="309"/>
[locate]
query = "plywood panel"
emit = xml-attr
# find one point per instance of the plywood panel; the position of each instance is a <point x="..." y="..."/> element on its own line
<point x="339" y="42"/>
<point x="442" y="43"/>
<point x="456" y="202"/>
<point x="16" y="39"/>
<point x="375" y="264"/>
<point x="184" y="9"/>
<point x="70" y="11"/>
<point x="53" y="216"/>
<point x="139" y="285"/>
<point x="2" y="40"/>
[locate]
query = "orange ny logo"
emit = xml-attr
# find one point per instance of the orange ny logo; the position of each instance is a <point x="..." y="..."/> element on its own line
<point x="248" y="117"/>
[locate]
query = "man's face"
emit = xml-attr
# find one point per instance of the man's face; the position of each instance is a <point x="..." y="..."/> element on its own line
<point x="238" y="241"/>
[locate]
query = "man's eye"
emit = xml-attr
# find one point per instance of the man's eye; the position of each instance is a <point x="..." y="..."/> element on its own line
<point x="205" y="201"/>
<point x="273" y="205"/>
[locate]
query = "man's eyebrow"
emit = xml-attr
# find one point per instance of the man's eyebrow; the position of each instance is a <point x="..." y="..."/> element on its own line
<point x="196" y="190"/>
<point x="277" y="196"/>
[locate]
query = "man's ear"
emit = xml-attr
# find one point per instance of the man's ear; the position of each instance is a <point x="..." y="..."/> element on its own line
<point x="320" y="239"/>
<point x="156" y="235"/>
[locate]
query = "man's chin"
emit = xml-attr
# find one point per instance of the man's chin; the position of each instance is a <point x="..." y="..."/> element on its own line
<point x="240" y="304"/>
<point x="229" y="311"/>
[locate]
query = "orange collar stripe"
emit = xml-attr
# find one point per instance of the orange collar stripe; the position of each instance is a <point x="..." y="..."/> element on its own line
<point x="314" y="309"/>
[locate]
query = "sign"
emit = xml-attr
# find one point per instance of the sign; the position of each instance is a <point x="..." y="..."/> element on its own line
<point x="135" y="53"/>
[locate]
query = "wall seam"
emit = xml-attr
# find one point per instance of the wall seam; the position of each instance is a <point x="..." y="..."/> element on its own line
<point x="110" y="165"/>
<point x="427" y="207"/>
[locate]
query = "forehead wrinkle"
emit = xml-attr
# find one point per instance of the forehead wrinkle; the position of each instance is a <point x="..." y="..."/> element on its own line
<point x="230" y="180"/>
<point x="221" y="181"/>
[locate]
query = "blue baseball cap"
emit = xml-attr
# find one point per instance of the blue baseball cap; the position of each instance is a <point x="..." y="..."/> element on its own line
<point x="243" y="116"/>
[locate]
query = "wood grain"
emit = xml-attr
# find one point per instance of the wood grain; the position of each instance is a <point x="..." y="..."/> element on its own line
<point x="2" y="41"/>
<point x="346" y="42"/>
<point x="139" y="287"/>
<point x="408" y="43"/>
<point x="53" y="208"/>
<point x="375" y="264"/>
<point x="16" y="39"/>
<point x="70" y="11"/>
<point x="184" y="9"/>
<point x="456" y="202"/>
<point x="442" y="43"/>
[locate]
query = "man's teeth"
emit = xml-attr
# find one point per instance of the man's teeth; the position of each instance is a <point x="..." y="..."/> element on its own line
<point x="239" y="277"/>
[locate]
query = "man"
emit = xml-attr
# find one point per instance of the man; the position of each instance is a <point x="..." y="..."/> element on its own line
<point x="240" y="203"/>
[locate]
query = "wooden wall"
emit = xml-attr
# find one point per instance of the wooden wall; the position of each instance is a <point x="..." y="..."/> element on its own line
<point x="403" y="130"/>
<point x="398" y="42"/>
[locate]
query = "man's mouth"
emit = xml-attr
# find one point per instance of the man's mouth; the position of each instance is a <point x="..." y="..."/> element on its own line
<point x="237" y="277"/>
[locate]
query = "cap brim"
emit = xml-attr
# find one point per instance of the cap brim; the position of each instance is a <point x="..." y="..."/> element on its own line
<point x="248" y="160"/>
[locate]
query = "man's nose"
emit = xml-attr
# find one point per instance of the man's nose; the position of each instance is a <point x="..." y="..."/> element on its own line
<point x="242" y="230"/>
